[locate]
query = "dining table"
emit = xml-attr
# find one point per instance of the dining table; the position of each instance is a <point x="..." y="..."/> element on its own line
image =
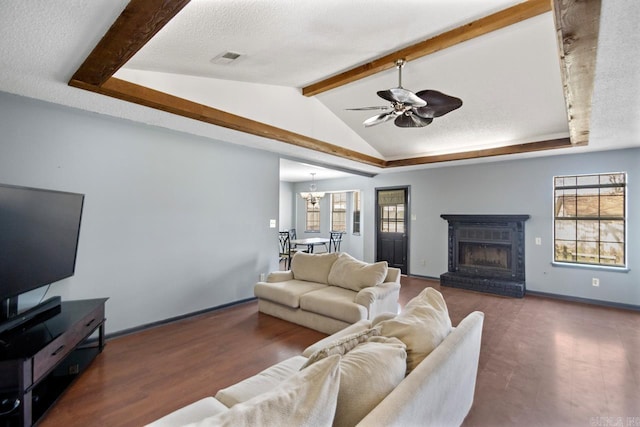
<point x="310" y="242"/>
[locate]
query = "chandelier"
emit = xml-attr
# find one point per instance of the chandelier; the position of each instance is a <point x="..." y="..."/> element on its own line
<point x="312" y="196"/>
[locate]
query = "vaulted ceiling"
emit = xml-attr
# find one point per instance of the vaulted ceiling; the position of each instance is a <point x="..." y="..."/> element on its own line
<point x="525" y="70"/>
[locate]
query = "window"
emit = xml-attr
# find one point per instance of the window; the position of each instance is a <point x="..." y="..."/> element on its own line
<point x="313" y="217"/>
<point x="590" y="219"/>
<point x="356" y="212"/>
<point x="339" y="212"/>
<point x="392" y="220"/>
<point x="391" y="204"/>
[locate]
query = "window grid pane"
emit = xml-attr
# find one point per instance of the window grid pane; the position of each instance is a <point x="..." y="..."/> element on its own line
<point x="392" y="219"/>
<point x="339" y="212"/>
<point x="313" y="217"/>
<point x="590" y="219"/>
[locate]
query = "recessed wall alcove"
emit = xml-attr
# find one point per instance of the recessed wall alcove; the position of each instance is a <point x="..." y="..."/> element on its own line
<point x="486" y="253"/>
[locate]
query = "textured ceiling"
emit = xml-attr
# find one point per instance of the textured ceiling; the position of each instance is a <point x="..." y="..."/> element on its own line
<point x="509" y="80"/>
<point x="293" y="44"/>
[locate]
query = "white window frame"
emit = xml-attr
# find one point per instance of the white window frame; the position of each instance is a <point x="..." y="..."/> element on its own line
<point x="343" y="197"/>
<point x="581" y="262"/>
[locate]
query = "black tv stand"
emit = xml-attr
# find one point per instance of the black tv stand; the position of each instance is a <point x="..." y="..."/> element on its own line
<point x="41" y="311"/>
<point x="39" y="361"/>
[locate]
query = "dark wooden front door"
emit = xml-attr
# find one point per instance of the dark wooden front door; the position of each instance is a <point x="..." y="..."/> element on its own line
<point x="392" y="227"/>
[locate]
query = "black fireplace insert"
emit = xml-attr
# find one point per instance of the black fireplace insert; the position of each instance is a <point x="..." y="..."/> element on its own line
<point x="486" y="253"/>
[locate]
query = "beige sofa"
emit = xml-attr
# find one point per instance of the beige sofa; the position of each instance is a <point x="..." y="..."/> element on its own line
<point x="330" y="291"/>
<point x="358" y="377"/>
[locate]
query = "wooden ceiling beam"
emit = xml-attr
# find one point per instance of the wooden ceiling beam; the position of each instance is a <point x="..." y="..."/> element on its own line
<point x="496" y="21"/>
<point x="136" y="25"/>
<point x="477" y="154"/>
<point x="158" y="100"/>
<point x="577" y="28"/>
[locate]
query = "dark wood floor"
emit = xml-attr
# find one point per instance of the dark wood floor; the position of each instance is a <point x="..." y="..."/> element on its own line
<point x="543" y="362"/>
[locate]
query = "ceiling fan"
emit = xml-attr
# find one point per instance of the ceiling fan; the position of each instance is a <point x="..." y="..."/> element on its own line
<point x="411" y="110"/>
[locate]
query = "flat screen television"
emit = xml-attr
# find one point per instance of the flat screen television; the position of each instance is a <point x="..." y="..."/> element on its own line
<point x="39" y="231"/>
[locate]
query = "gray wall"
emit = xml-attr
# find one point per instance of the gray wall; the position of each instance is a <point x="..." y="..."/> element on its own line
<point x="507" y="187"/>
<point x="287" y="207"/>
<point x="169" y="225"/>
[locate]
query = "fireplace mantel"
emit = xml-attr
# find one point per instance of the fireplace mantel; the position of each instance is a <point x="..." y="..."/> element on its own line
<point x="485" y="218"/>
<point x="486" y="253"/>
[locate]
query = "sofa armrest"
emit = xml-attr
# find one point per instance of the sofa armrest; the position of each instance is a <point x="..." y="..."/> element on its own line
<point x="446" y="379"/>
<point x="279" y="276"/>
<point x="393" y="275"/>
<point x="368" y="296"/>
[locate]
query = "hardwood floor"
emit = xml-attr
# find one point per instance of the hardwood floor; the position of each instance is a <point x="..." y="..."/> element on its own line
<point x="543" y="362"/>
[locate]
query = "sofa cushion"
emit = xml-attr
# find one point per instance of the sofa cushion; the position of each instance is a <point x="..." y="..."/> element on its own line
<point x="335" y="302"/>
<point x="422" y="325"/>
<point x="260" y="383"/>
<point x="286" y="293"/>
<point x="350" y="273"/>
<point x="312" y="267"/>
<point x="352" y="329"/>
<point x="341" y="346"/>
<point x="368" y="373"/>
<point x="308" y="398"/>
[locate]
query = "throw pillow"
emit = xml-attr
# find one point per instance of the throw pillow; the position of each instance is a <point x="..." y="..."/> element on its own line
<point x="422" y="326"/>
<point x="350" y="273"/>
<point x="341" y="346"/>
<point x="312" y="267"/>
<point x="308" y="398"/>
<point x="368" y="373"/>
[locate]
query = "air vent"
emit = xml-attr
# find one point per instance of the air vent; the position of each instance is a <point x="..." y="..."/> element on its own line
<point x="226" y="58"/>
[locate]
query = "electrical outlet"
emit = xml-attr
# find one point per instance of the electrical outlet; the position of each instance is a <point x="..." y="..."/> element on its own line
<point x="424" y="262"/>
<point x="595" y="281"/>
<point x="262" y="277"/>
<point x="538" y="241"/>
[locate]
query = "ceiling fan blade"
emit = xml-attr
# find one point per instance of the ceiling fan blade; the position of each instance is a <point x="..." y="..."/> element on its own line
<point x="380" y="118"/>
<point x="403" y="96"/>
<point x="386" y="107"/>
<point x="412" y="121"/>
<point x="438" y="104"/>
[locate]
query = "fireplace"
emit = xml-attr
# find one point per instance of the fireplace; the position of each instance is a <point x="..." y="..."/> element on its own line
<point x="486" y="253"/>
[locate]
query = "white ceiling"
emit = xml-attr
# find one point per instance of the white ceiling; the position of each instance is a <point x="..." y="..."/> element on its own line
<point x="292" y="171"/>
<point x="294" y="44"/>
<point x="509" y="80"/>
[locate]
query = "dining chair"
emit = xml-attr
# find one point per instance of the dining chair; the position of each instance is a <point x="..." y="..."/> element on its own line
<point x="292" y="234"/>
<point x="335" y="238"/>
<point x="295" y="248"/>
<point x="285" y="248"/>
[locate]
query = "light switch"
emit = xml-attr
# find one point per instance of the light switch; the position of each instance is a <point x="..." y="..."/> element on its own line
<point x="538" y="241"/>
<point x="413" y="217"/>
<point x="272" y="223"/>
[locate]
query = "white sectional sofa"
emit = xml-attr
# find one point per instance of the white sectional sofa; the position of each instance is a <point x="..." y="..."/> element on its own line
<point x="330" y="291"/>
<point x="410" y="369"/>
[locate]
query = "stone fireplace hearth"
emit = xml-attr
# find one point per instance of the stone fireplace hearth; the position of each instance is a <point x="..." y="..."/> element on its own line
<point x="486" y="253"/>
